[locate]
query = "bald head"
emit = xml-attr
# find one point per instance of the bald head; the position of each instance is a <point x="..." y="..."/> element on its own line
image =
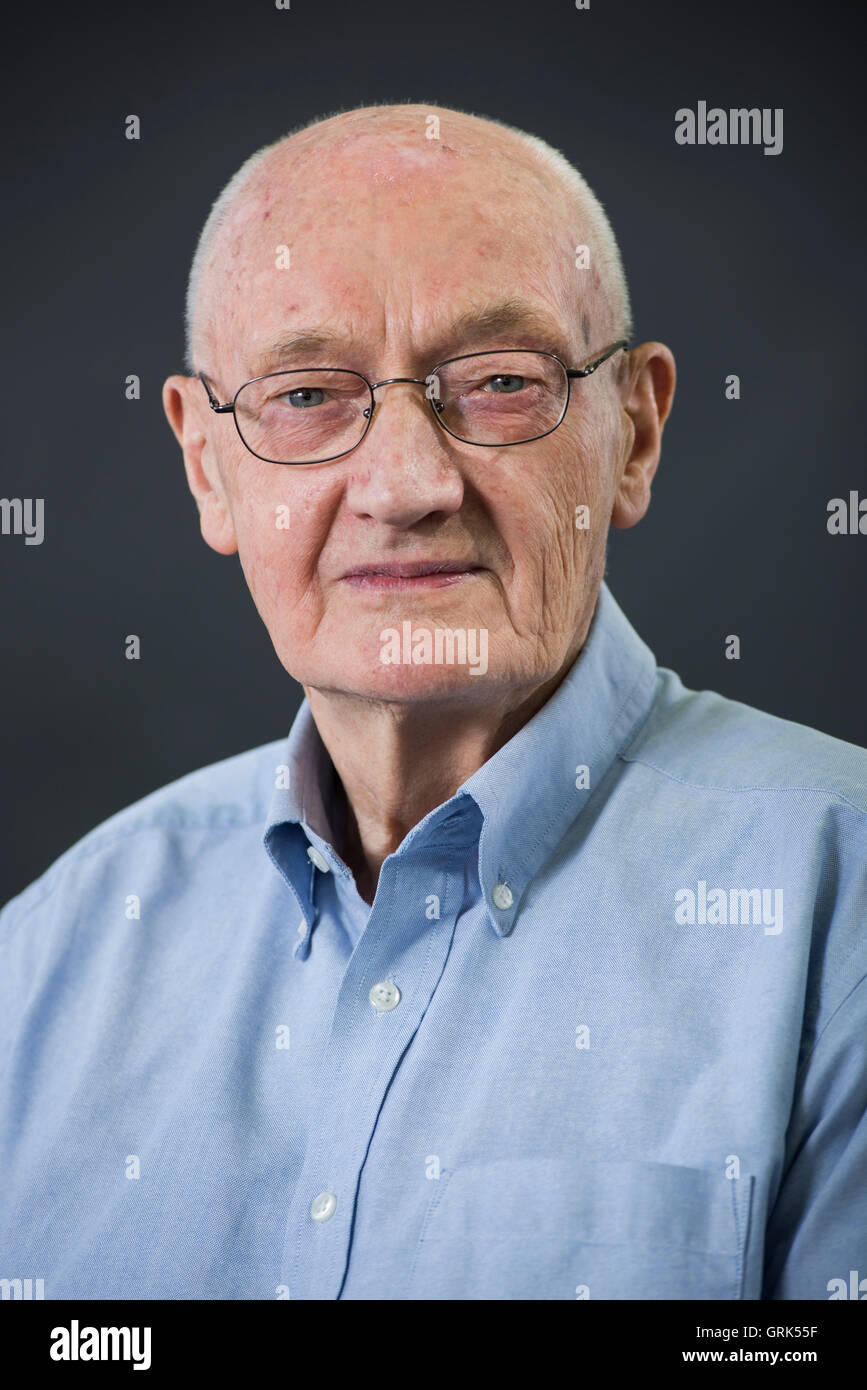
<point x="400" y="162"/>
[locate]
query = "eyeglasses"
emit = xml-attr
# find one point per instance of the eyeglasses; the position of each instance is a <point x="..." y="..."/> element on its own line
<point x="317" y="414"/>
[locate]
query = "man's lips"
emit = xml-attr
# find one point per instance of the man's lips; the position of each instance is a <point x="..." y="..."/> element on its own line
<point x="411" y="574"/>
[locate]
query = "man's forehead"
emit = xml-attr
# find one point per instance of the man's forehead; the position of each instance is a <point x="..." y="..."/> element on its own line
<point x="387" y="195"/>
<point x="485" y="321"/>
<point x="326" y="251"/>
<point x="377" y="186"/>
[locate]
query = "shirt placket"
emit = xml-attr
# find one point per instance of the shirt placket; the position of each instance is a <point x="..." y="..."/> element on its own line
<point x="386" y="988"/>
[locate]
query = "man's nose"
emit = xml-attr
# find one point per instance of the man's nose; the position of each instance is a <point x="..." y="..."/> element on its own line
<point x="404" y="469"/>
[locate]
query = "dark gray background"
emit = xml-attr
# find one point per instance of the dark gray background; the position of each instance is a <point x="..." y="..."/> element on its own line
<point x="740" y="262"/>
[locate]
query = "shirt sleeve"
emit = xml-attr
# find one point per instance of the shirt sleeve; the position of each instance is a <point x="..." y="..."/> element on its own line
<point x="816" y="1240"/>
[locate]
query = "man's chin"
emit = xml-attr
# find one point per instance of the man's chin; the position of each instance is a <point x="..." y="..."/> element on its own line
<point x="411" y="684"/>
<point x="406" y="659"/>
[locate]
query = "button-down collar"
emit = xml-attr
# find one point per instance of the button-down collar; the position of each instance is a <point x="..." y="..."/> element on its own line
<point x="531" y="790"/>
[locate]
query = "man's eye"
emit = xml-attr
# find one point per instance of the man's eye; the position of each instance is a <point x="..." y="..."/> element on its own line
<point x="303" y="396"/>
<point x="506" y="384"/>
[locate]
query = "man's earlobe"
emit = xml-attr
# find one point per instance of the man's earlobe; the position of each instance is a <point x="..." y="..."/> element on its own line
<point x="216" y="524"/>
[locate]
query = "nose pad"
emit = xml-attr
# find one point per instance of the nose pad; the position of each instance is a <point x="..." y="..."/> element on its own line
<point x="431" y="392"/>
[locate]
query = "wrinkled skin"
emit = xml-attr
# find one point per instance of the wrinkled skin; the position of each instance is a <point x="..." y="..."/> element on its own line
<point x="391" y="237"/>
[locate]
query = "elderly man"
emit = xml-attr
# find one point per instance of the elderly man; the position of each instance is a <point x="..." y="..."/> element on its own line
<point x="521" y="971"/>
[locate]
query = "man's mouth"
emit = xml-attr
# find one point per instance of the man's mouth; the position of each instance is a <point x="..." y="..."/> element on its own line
<point x="410" y="575"/>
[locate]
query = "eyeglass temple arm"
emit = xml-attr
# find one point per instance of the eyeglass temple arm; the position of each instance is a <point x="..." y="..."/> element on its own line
<point x="588" y="371"/>
<point x="212" y="399"/>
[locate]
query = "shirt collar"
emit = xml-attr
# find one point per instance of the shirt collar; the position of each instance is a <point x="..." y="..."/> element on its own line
<point x="528" y="793"/>
<point x="536" y="785"/>
<point x="299" y="817"/>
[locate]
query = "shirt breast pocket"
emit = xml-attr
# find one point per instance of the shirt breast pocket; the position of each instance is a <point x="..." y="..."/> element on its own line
<point x="552" y="1228"/>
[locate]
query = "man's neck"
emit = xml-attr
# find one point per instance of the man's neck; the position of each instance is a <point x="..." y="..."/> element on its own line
<point x="398" y="762"/>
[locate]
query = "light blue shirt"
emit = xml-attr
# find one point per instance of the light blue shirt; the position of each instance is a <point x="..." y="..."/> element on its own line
<point x="603" y="1032"/>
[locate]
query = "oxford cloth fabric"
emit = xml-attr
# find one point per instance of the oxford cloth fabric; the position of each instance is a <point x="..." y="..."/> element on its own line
<point x="600" y="1035"/>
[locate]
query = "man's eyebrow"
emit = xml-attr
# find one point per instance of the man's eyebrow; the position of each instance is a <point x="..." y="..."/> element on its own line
<point x="490" y="323"/>
<point x="304" y="342"/>
<point x="517" y="317"/>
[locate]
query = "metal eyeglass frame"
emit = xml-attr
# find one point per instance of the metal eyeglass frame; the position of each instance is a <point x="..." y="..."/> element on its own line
<point x="228" y="408"/>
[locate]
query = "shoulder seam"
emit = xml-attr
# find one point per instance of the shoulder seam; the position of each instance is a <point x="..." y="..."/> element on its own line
<point x="755" y="787"/>
<point x="77" y="853"/>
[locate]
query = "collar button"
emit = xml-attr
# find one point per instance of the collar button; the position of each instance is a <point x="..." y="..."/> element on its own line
<point x="318" y="859"/>
<point x="502" y="896"/>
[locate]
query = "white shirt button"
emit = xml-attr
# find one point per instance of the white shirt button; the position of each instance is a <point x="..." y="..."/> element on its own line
<point x="384" y="996"/>
<point x="502" y="896"/>
<point x="318" y="859"/>
<point x="323" y="1207"/>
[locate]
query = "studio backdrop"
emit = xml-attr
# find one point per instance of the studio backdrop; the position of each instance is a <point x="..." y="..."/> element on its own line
<point x="742" y="242"/>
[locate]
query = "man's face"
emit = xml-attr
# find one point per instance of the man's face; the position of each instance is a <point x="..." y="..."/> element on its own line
<point x="391" y="238"/>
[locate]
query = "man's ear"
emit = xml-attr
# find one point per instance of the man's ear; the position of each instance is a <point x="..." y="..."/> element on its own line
<point x="647" y="397"/>
<point x="184" y="412"/>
